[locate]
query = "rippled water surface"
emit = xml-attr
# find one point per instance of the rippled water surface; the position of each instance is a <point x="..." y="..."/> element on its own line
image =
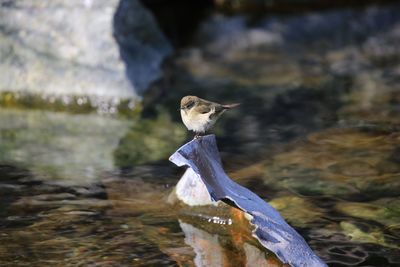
<point x="317" y="135"/>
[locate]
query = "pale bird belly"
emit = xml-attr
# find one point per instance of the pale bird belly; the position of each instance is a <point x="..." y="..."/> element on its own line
<point x="199" y="123"/>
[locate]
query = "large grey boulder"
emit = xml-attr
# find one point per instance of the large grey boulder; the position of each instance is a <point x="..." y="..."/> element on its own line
<point x="61" y="47"/>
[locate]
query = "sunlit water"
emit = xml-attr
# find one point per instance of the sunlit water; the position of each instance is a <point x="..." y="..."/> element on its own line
<point x="317" y="135"/>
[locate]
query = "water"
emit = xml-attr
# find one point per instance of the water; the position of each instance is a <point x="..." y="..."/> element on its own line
<point x="317" y="135"/>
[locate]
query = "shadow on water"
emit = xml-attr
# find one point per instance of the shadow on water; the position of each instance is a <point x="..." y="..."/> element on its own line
<point x="317" y="135"/>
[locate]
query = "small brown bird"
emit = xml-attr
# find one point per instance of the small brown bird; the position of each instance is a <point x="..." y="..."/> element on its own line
<point x="199" y="115"/>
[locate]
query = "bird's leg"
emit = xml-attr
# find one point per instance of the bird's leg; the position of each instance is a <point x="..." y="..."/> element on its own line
<point x="198" y="135"/>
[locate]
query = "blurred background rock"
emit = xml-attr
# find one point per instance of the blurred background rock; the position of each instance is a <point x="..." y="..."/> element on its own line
<point x="75" y="48"/>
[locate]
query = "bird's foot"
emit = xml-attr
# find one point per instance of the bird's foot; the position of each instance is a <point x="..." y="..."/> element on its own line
<point x="197" y="135"/>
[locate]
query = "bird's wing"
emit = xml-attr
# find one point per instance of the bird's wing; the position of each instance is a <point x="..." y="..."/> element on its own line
<point x="203" y="109"/>
<point x="218" y="110"/>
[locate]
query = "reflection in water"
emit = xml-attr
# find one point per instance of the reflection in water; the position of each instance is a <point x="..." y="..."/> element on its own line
<point x="63" y="147"/>
<point x="120" y="221"/>
<point x="210" y="252"/>
<point x="206" y="246"/>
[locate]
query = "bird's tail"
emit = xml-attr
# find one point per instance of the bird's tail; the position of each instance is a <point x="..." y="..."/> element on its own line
<point x="229" y="106"/>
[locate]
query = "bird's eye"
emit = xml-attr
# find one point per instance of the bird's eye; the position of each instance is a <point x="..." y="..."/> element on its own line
<point x="189" y="105"/>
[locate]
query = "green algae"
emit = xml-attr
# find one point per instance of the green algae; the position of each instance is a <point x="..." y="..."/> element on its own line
<point x="385" y="211"/>
<point x="149" y="140"/>
<point x="298" y="211"/>
<point x="373" y="235"/>
<point x="129" y="108"/>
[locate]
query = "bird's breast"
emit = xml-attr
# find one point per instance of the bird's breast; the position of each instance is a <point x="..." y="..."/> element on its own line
<point x="195" y="121"/>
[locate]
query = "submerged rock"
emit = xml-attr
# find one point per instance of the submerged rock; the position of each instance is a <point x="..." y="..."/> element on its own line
<point x="383" y="211"/>
<point x="345" y="163"/>
<point x="67" y="48"/>
<point x="300" y="212"/>
<point x="374" y="235"/>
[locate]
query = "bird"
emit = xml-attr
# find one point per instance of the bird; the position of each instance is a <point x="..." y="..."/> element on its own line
<point x="199" y="115"/>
